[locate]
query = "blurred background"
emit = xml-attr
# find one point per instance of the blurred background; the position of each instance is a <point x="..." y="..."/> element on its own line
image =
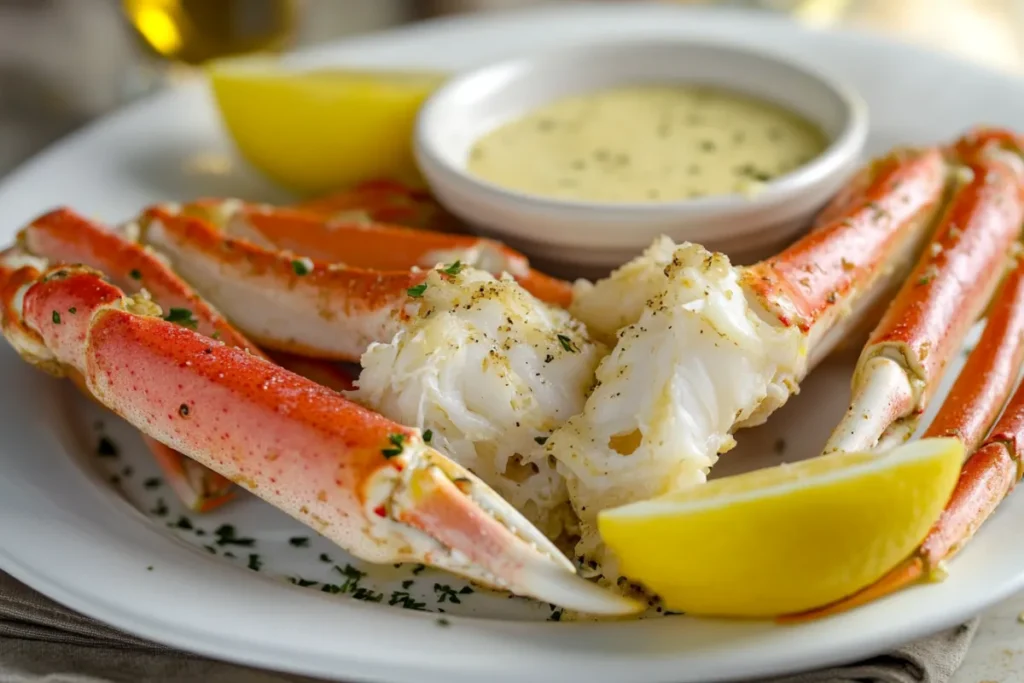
<point x="64" y="62"/>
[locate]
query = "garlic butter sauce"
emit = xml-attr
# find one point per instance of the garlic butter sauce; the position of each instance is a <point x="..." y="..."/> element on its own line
<point x="646" y="143"/>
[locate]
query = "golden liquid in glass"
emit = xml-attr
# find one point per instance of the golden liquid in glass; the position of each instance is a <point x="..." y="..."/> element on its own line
<point x="195" y="31"/>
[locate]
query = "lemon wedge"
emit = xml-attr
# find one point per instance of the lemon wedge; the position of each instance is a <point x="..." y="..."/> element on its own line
<point x="317" y="131"/>
<point x="787" y="538"/>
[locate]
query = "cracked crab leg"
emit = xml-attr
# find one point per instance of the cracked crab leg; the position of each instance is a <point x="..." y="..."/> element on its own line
<point x="312" y="304"/>
<point x="991" y="472"/>
<point x="368" y="484"/>
<point x="900" y="368"/>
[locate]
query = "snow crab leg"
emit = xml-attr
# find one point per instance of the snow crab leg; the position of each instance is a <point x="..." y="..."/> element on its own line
<point x="368" y="484"/>
<point x="952" y="283"/>
<point x="989" y="474"/>
<point x="62" y="236"/>
<point x="327" y="290"/>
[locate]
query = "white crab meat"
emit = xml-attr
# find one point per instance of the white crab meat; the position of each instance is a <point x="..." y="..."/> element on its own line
<point x="694" y="360"/>
<point x="489" y="371"/>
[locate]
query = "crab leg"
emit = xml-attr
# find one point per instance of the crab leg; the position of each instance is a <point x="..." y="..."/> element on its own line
<point x="384" y="201"/>
<point x="62" y="236"/>
<point x="343" y="287"/>
<point x="900" y="368"/>
<point x="990" y="473"/>
<point x="368" y="484"/>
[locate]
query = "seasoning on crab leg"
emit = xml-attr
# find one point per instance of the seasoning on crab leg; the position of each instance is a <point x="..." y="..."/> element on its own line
<point x="900" y="368"/>
<point x="990" y="473"/>
<point x="704" y="348"/>
<point x="368" y="484"/>
<point x="342" y="287"/>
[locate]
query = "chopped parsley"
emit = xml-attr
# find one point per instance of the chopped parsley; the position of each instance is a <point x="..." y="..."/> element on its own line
<point x="210" y="549"/>
<point x="567" y="344"/>
<point x="254" y="562"/>
<point x="443" y="622"/>
<point x="428" y="435"/>
<point x="541" y="440"/>
<point x="225" y="534"/>
<point x="183" y="317"/>
<point x="135" y="274"/>
<point x="417" y="291"/>
<point x="556" y="615"/>
<point x="56" y="318"/>
<point x="396" y="440"/>
<point x="161" y="508"/>
<point x="352" y="577"/>
<point x="294" y="580"/>
<point x="183" y="523"/>
<point x="406" y="601"/>
<point x="453" y="269"/>
<point x="418" y="569"/>
<point x="408" y="583"/>
<point x="446" y="593"/>
<point x="324" y="557"/>
<point x="299" y="541"/>
<point x="367" y="595"/>
<point x="152" y="483"/>
<point x="302" y="266"/>
<point x="106" y="448"/>
<point x="72" y="310"/>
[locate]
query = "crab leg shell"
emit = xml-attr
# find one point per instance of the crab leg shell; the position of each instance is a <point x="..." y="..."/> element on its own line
<point x="376" y="246"/>
<point x="384" y="201"/>
<point x="972" y="406"/>
<point x="871" y="232"/>
<point x="366" y="483"/>
<point x="283" y="302"/>
<point x="63" y="236"/>
<point x="900" y="368"/>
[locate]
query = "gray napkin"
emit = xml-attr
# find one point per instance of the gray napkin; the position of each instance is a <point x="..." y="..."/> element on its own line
<point x="43" y="642"/>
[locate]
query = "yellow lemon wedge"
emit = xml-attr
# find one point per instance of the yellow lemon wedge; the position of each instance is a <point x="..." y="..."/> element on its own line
<point x="317" y="131"/>
<point x="787" y="538"/>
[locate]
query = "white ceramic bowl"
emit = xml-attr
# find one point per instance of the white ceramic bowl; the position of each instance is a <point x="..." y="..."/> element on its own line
<point x="599" y="235"/>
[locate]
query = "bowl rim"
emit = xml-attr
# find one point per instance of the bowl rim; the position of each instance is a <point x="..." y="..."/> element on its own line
<point x="847" y="143"/>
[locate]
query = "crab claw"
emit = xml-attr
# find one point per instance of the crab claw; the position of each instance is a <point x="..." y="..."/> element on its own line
<point x="370" y="485"/>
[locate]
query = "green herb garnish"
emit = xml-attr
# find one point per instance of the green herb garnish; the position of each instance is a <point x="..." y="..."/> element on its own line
<point x="417" y="291"/>
<point x="453" y="269"/>
<point x="183" y="317"/>
<point x="397" y="440"/>
<point x="446" y="593"/>
<point x="152" y="483"/>
<point x="541" y="440"/>
<point x="324" y="557"/>
<point x="135" y="274"/>
<point x="428" y="435"/>
<point x="226" y="536"/>
<point x="106" y="448"/>
<point x="299" y="541"/>
<point x="301" y="267"/>
<point x="72" y="310"/>
<point x="567" y="344"/>
<point x="161" y="508"/>
<point x="254" y="562"/>
<point x="56" y="318"/>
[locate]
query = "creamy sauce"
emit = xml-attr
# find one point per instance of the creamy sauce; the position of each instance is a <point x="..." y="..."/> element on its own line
<point x="646" y="144"/>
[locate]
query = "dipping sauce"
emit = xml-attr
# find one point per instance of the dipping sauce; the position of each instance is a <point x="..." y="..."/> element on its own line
<point x="646" y="143"/>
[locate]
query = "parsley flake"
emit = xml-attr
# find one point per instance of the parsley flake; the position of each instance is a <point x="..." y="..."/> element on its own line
<point x="72" y="310"/>
<point x="567" y="344"/>
<point x="397" y="440"/>
<point x="135" y="274"/>
<point x="56" y="318"/>
<point x="161" y="508"/>
<point x="254" y="562"/>
<point x="453" y="269"/>
<point x="225" y="534"/>
<point x="417" y="291"/>
<point x="324" y="557"/>
<point x="428" y="435"/>
<point x="541" y="440"/>
<point x="152" y="483"/>
<point x="106" y="448"/>
<point x="299" y="541"/>
<point x="294" y="580"/>
<point x="302" y="266"/>
<point x="183" y="317"/>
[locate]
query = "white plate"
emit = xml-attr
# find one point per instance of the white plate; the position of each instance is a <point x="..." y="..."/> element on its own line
<point x="68" y="533"/>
